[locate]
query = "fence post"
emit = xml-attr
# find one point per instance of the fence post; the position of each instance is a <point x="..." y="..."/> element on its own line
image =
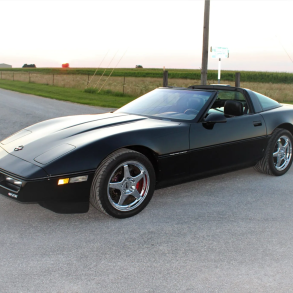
<point x="29" y="77"/>
<point x="13" y="76"/>
<point x="237" y="79"/>
<point x="53" y="78"/>
<point x="1" y="74"/>
<point x="123" y="85"/>
<point x="165" y="78"/>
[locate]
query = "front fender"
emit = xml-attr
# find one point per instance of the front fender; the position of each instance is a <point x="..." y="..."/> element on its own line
<point x="91" y="151"/>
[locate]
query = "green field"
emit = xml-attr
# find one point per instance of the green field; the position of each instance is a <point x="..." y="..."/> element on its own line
<point x="107" y="99"/>
<point x="246" y="76"/>
<point x="70" y="84"/>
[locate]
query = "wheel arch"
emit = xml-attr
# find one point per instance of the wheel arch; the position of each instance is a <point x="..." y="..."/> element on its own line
<point x="287" y="126"/>
<point x="150" y="154"/>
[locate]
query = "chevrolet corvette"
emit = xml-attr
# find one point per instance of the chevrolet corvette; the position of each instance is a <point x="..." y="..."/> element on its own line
<point x="115" y="161"/>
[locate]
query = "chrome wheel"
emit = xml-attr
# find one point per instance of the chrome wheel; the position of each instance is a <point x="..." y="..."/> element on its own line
<point x="128" y="186"/>
<point x="282" y="153"/>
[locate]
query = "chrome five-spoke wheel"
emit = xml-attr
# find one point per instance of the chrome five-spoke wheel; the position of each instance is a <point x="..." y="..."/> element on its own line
<point x="277" y="158"/>
<point x="128" y="186"/>
<point x="282" y="153"/>
<point x="123" y="184"/>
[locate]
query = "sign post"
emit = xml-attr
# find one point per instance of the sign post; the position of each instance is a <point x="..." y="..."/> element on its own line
<point x="219" y="52"/>
<point x="219" y="71"/>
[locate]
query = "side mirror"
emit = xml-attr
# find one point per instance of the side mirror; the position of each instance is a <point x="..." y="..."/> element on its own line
<point x="215" y="118"/>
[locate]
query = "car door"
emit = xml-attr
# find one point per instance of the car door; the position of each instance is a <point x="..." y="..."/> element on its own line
<point x="239" y="141"/>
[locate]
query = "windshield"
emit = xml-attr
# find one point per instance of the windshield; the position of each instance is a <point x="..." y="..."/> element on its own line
<point x="169" y="103"/>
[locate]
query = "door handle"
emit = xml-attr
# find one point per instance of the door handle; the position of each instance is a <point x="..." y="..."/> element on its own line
<point x="257" y="123"/>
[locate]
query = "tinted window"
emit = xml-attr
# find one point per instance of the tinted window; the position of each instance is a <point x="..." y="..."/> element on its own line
<point x="266" y="102"/>
<point x="169" y="103"/>
<point x="223" y="96"/>
<point x="231" y="95"/>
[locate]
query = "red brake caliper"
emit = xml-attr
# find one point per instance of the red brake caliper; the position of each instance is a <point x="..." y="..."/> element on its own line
<point x="139" y="186"/>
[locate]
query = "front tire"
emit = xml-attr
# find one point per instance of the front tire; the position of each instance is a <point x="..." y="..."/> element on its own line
<point x="123" y="184"/>
<point x="278" y="156"/>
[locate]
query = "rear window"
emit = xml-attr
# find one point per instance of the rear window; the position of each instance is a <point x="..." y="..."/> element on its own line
<point x="266" y="102"/>
<point x="230" y="95"/>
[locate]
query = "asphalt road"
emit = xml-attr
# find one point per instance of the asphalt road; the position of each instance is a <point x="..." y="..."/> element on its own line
<point x="228" y="233"/>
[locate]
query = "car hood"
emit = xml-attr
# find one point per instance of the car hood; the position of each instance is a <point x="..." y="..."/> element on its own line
<point x="43" y="136"/>
<point x="46" y="141"/>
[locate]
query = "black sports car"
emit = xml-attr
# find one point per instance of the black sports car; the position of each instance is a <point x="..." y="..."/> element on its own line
<point x="115" y="160"/>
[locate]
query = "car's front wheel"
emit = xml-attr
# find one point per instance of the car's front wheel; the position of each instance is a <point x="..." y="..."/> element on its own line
<point x="278" y="156"/>
<point x="123" y="184"/>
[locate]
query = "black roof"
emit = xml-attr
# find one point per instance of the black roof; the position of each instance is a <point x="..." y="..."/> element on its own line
<point x="207" y="87"/>
<point x="215" y="87"/>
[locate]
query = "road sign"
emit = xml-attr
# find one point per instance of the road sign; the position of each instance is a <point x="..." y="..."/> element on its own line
<point x="220" y="52"/>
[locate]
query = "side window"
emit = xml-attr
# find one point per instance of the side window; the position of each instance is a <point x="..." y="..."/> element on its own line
<point x="224" y="96"/>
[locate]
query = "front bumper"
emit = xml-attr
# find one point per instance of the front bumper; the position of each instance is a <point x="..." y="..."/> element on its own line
<point x="37" y="186"/>
<point x="45" y="189"/>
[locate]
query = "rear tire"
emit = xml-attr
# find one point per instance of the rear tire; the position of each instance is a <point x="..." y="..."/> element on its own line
<point x="123" y="184"/>
<point x="278" y="156"/>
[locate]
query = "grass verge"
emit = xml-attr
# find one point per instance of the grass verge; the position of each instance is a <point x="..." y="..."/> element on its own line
<point x="107" y="99"/>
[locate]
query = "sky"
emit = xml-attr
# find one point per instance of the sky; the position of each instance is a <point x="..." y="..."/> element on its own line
<point x="152" y="33"/>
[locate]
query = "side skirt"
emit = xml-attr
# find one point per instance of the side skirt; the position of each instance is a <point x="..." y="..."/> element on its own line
<point x="185" y="179"/>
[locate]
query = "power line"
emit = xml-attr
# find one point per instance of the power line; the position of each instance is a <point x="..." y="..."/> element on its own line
<point x="113" y="70"/>
<point x="105" y="69"/>
<point x="97" y="69"/>
<point x="284" y="49"/>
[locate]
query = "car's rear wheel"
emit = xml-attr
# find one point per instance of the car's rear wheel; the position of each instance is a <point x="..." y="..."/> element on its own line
<point x="278" y="157"/>
<point x="123" y="184"/>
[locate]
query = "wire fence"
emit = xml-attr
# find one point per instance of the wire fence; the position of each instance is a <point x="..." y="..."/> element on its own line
<point x="134" y="86"/>
<point x="137" y="86"/>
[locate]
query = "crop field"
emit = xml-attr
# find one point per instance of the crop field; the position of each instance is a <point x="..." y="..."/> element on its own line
<point x="136" y="86"/>
<point x="246" y="76"/>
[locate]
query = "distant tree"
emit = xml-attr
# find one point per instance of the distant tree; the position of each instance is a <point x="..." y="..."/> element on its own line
<point x="29" y="65"/>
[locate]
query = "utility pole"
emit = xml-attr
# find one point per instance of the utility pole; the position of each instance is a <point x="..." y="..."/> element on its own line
<point x="205" y="43"/>
<point x="165" y="78"/>
<point x="237" y="79"/>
